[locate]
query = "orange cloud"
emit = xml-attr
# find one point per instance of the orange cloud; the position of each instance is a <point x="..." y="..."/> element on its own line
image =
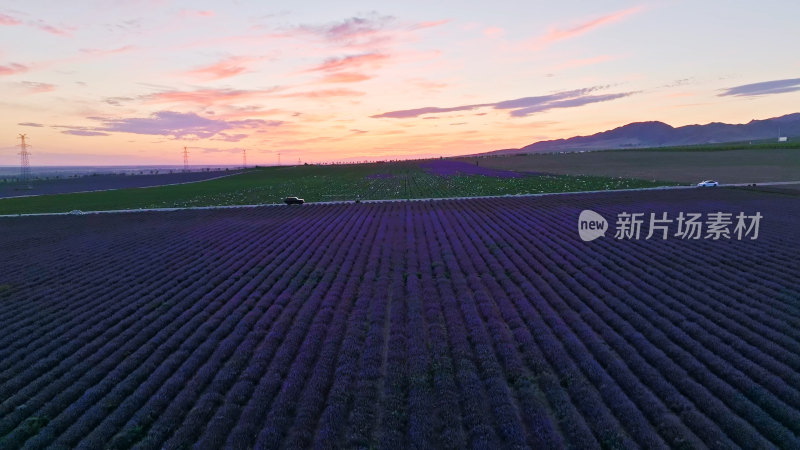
<point x="556" y="34"/>
<point x="345" y="77"/>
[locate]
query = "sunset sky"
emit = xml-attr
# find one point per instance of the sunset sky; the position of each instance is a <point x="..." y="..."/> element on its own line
<point x="134" y="81"/>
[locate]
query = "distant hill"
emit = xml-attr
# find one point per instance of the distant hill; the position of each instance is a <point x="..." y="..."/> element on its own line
<point x="660" y="134"/>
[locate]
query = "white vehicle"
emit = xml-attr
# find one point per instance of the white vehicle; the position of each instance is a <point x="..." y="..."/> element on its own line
<point x="708" y="183"/>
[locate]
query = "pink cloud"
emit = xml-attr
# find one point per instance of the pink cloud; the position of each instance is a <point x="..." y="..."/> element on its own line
<point x="559" y="34"/>
<point x="428" y="24"/>
<point x="206" y="97"/>
<point x="345" y="77"/>
<point x="196" y="13"/>
<point x="230" y="137"/>
<point x="493" y="32"/>
<point x="230" y="112"/>
<point x="223" y="69"/>
<point x="8" y="20"/>
<point x="37" y="88"/>
<point x="62" y="31"/>
<point x="12" y="69"/>
<point x="580" y="62"/>
<point x="324" y="93"/>
<point x="102" y="52"/>
<point x="352" y="61"/>
<point x="427" y="84"/>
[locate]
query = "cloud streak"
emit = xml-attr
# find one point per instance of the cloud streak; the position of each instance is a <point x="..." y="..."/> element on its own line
<point x="85" y="133"/>
<point x="184" y="125"/>
<point x="324" y="93"/>
<point x="345" y="77"/>
<point x="409" y="113"/>
<point x="569" y="103"/>
<point x="205" y="97"/>
<point x="763" y="88"/>
<point x="581" y="62"/>
<point x="12" y="69"/>
<point x="102" y="52"/>
<point x="171" y="124"/>
<point x="37" y="88"/>
<point x="7" y="20"/>
<point x="555" y="34"/>
<point x="366" y="32"/>
<point x="196" y="13"/>
<point x="351" y="62"/>
<point x="58" y="31"/>
<point x="350" y="31"/>
<point x="519" y="107"/>
<point x="226" y="68"/>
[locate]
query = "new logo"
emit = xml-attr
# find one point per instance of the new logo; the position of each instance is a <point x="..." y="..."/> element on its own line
<point x="591" y="225"/>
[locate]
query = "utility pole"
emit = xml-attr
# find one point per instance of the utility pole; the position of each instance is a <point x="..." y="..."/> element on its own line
<point x="279" y="158"/>
<point x="185" y="159"/>
<point x="25" y="167"/>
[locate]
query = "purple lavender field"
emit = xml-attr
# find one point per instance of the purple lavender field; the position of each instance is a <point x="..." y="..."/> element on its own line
<point x="449" y="167"/>
<point x="102" y="182"/>
<point x="484" y="323"/>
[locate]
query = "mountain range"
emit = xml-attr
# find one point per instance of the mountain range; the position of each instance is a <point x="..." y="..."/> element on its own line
<point x="660" y="134"/>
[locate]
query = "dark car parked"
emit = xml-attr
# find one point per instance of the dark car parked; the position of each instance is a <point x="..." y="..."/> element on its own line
<point x="294" y="201"/>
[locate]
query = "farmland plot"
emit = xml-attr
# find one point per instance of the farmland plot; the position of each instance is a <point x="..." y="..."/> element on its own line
<point x="432" y="324"/>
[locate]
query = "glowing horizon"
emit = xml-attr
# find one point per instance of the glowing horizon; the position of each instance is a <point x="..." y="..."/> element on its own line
<point x="134" y="81"/>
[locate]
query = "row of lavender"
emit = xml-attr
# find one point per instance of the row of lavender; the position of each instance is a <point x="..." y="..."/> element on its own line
<point x="429" y="324"/>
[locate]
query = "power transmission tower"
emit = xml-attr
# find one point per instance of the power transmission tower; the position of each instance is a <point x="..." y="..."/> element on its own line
<point x="185" y="159"/>
<point x="279" y="158"/>
<point x="244" y="157"/>
<point x="25" y="167"/>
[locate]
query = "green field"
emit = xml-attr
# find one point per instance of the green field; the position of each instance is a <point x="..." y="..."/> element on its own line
<point x="397" y="180"/>
<point x="678" y="164"/>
